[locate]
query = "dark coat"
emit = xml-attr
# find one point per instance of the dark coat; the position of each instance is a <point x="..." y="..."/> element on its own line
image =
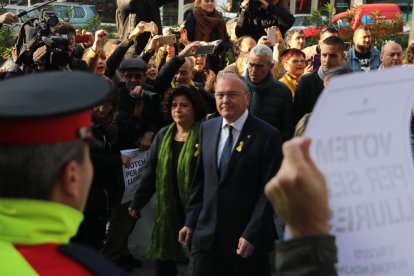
<point x="131" y="128"/>
<point x="271" y="101"/>
<point x="223" y="210"/>
<point x="78" y="65"/>
<point x="307" y="92"/>
<point x="307" y="255"/>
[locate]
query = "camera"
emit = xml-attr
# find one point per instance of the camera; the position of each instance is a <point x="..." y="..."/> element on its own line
<point x="37" y="32"/>
<point x="149" y="95"/>
<point x="56" y="56"/>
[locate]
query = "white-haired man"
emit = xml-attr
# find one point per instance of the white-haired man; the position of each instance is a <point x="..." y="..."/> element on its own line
<point x="271" y="100"/>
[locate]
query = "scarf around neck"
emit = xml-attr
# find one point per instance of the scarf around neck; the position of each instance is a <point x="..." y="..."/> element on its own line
<point x="164" y="244"/>
<point x="206" y="23"/>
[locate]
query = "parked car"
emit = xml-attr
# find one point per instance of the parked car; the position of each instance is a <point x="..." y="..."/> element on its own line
<point x="78" y="14"/>
<point x="367" y="14"/>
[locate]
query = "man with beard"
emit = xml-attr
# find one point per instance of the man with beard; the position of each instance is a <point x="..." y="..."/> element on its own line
<point x="362" y="56"/>
<point x="313" y="53"/>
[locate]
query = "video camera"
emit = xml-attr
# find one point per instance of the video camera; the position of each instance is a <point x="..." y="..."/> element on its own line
<point x="37" y="32"/>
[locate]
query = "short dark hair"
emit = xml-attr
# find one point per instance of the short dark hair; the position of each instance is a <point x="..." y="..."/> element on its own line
<point x="65" y="28"/>
<point x="289" y="34"/>
<point x="288" y="53"/>
<point x="31" y="171"/>
<point x="335" y="41"/>
<point x="329" y="29"/>
<point x="193" y="94"/>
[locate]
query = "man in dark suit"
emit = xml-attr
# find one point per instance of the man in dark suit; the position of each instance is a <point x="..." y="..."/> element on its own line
<point x="229" y="217"/>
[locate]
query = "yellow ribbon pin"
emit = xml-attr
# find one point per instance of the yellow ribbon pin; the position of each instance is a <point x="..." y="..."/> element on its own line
<point x="196" y="152"/>
<point x="240" y="146"/>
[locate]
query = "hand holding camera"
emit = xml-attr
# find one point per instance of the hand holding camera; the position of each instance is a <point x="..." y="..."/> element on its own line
<point x="139" y="29"/>
<point x="264" y="41"/>
<point x="8" y="18"/>
<point x="154" y="43"/>
<point x="39" y="54"/>
<point x="188" y="50"/>
<point x="183" y="36"/>
<point x="254" y="5"/>
<point x="138" y="93"/>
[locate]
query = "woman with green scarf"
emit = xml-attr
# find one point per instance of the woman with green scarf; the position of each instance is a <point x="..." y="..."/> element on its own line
<point x="168" y="172"/>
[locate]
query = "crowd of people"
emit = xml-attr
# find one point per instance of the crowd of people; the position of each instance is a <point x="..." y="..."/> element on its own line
<point x="213" y="124"/>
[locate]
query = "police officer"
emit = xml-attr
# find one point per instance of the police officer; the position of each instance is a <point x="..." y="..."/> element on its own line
<point x="46" y="172"/>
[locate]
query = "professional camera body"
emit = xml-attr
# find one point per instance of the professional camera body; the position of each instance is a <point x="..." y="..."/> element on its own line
<point x="37" y="32"/>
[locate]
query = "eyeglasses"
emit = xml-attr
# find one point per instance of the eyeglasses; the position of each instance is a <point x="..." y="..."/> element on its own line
<point x="297" y="61"/>
<point x="230" y="95"/>
<point x="206" y="1"/>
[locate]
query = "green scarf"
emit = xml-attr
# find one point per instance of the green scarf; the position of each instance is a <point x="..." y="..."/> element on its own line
<point x="32" y="222"/>
<point x="164" y="234"/>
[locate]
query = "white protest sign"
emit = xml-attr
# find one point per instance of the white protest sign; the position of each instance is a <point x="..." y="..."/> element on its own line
<point x="361" y="142"/>
<point x="133" y="172"/>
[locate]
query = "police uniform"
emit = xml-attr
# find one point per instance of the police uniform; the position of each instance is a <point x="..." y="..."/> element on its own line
<point x="38" y="109"/>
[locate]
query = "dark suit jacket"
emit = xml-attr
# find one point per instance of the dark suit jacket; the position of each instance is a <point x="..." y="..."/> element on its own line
<point x="223" y="210"/>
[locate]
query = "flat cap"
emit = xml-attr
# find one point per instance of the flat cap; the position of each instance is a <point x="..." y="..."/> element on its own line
<point x="48" y="107"/>
<point x="133" y="64"/>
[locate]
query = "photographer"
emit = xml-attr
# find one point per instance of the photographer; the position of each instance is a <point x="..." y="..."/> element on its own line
<point x="256" y="15"/>
<point x="66" y="34"/>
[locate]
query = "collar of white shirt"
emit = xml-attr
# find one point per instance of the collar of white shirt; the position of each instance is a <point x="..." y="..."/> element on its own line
<point x="239" y="123"/>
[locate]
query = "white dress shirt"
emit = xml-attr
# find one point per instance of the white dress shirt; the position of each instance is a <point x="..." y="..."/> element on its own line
<point x="224" y="134"/>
